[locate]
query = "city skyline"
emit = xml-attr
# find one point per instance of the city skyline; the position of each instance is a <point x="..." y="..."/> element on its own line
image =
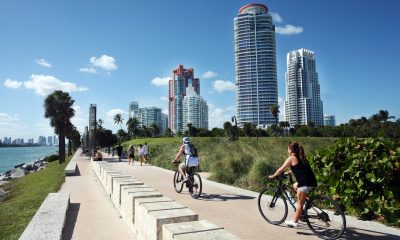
<point x="106" y="55"/>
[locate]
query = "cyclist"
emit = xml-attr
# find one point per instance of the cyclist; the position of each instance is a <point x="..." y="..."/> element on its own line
<point x="183" y="150"/>
<point x="304" y="176"/>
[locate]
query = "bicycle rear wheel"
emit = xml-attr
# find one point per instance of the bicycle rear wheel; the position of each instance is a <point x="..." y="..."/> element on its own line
<point x="178" y="182"/>
<point x="325" y="217"/>
<point x="272" y="206"/>
<point x="195" y="185"/>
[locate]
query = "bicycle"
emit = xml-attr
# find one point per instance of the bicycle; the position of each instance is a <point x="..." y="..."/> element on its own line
<point x="320" y="212"/>
<point x="193" y="183"/>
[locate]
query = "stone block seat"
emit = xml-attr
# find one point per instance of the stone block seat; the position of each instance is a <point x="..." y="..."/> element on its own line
<point x="49" y="220"/>
<point x="70" y="168"/>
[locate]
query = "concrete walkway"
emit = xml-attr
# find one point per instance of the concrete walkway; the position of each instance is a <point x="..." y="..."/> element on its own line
<point x="93" y="216"/>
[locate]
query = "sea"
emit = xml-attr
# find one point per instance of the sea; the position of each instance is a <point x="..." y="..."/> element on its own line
<point x="12" y="156"/>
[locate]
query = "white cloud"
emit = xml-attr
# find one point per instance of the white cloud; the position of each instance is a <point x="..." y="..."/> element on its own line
<point x="12" y="83"/>
<point x="43" y="63"/>
<point x="209" y="74"/>
<point x="90" y="69"/>
<point x="218" y="116"/>
<point x="45" y="84"/>
<point x="163" y="98"/>
<point x="276" y="17"/>
<point x="221" y="86"/>
<point x="165" y="111"/>
<point x="289" y="30"/>
<point x="10" y="125"/>
<point x="79" y="120"/>
<point x="281" y="102"/>
<point x="160" y="81"/>
<point x="105" y="62"/>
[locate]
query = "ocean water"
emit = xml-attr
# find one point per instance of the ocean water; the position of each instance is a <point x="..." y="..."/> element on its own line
<point x="12" y="156"/>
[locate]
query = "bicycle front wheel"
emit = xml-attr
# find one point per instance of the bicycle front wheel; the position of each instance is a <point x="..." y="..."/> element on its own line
<point x="272" y="206"/>
<point x="325" y="217"/>
<point x="178" y="182"/>
<point x="195" y="186"/>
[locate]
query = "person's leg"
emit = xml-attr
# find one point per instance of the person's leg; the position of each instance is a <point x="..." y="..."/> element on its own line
<point x="301" y="198"/>
<point x="181" y="169"/>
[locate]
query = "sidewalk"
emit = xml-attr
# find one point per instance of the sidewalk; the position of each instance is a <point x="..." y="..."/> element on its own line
<point x="91" y="214"/>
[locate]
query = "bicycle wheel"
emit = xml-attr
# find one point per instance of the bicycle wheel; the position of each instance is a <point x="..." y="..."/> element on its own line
<point x="178" y="182"/>
<point x="195" y="186"/>
<point x="325" y="217"/>
<point x="272" y="206"/>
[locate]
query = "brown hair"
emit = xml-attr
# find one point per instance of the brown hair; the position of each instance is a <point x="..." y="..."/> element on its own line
<point x="298" y="151"/>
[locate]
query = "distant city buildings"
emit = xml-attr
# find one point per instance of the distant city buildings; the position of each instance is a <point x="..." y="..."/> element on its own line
<point x="50" y="140"/>
<point x="133" y="109"/>
<point x="255" y="65"/>
<point x="303" y="103"/>
<point x="164" y="123"/>
<point x="182" y="78"/>
<point x="329" y="120"/>
<point x="195" y="110"/>
<point x="42" y="140"/>
<point x="149" y="116"/>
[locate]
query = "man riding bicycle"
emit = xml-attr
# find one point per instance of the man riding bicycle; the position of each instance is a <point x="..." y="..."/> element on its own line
<point x="185" y="149"/>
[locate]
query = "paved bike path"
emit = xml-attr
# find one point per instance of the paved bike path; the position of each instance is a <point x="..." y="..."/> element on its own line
<point x="236" y="209"/>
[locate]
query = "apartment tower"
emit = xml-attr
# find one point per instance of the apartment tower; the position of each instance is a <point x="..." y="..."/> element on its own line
<point x="303" y="103"/>
<point x="255" y="65"/>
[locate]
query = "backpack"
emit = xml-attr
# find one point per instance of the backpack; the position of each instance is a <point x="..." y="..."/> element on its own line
<point x="191" y="150"/>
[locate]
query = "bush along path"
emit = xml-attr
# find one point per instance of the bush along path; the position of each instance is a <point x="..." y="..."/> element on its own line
<point x="363" y="175"/>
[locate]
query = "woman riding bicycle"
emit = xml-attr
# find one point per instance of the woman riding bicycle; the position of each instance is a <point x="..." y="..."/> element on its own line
<point x="183" y="150"/>
<point x="304" y="176"/>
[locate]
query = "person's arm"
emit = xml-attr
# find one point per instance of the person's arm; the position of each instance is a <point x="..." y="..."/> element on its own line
<point x="181" y="151"/>
<point x="282" y="168"/>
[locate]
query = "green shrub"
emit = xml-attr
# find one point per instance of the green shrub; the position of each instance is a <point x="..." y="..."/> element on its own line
<point x="51" y="158"/>
<point x="363" y="175"/>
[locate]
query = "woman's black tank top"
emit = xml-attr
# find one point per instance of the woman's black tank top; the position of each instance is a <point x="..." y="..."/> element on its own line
<point x="304" y="175"/>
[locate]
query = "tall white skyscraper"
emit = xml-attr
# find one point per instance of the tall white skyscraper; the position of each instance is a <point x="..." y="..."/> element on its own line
<point x="195" y="109"/>
<point x="255" y="65"/>
<point x="133" y="109"/>
<point x="303" y="103"/>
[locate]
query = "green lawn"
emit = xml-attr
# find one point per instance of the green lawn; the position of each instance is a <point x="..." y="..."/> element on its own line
<point x="26" y="196"/>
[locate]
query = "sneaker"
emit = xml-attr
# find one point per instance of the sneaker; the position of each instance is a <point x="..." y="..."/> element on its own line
<point x="185" y="179"/>
<point x="290" y="223"/>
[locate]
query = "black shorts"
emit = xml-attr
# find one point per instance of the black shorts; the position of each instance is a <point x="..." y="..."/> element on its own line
<point x="131" y="156"/>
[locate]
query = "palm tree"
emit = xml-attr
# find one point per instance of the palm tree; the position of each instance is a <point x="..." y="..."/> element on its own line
<point x="247" y="129"/>
<point x="100" y="123"/>
<point x="58" y="108"/>
<point x="133" y="126"/>
<point x="155" y="129"/>
<point x="118" y="119"/>
<point x="275" y="112"/>
<point x="228" y="129"/>
<point x="189" y="125"/>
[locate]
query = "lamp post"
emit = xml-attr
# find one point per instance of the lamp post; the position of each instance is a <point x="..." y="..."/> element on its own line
<point x="236" y="128"/>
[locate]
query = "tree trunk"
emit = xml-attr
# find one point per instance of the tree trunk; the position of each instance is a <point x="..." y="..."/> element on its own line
<point x="61" y="147"/>
<point x="69" y="147"/>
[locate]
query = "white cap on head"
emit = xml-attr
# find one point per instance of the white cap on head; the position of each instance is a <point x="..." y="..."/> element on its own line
<point x="185" y="140"/>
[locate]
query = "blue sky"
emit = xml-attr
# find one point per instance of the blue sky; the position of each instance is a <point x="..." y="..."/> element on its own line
<point x="114" y="52"/>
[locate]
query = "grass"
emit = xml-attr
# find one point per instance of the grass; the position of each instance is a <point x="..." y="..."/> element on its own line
<point x="243" y="163"/>
<point x="26" y="196"/>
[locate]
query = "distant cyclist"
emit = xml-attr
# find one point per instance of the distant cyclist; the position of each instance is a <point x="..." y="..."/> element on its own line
<point x="304" y="176"/>
<point x="187" y="150"/>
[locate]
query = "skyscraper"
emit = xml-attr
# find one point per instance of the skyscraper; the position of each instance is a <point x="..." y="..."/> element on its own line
<point x="92" y="125"/>
<point x="329" y="120"/>
<point x="182" y="78"/>
<point x="150" y="115"/>
<point x="133" y="109"/>
<point x="195" y="109"/>
<point x="255" y="65"/>
<point x="303" y="103"/>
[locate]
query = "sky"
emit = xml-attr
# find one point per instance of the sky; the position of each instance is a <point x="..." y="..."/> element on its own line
<point x="113" y="52"/>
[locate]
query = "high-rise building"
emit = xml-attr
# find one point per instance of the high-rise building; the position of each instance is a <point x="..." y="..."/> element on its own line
<point x="164" y="123"/>
<point x="92" y="125"/>
<point x="150" y="115"/>
<point x="255" y="65"/>
<point x="49" y="140"/>
<point x="55" y="140"/>
<point x="42" y="140"/>
<point x="182" y="78"/>
<point x="329" y="120"/>
<point x="303" y="103"/>
<point x="133" y="109"/>
<point x="30" y="141"/>
<point x="195" y="110"/>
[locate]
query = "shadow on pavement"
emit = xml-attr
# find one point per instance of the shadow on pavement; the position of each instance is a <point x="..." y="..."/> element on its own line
<point x="357" y="233"/>
<point x="72" y="215"/>
<point x="223" y="197"/>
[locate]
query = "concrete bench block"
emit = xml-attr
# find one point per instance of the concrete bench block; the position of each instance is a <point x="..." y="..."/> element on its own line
<point x="49" y="220"/>
<point x="111" y="177"/>
<point x="197" y="230"/>
<point x="70" y="168"/>
<point x="151" y="229"/>
<point x="117" y="188"/>
<point x="128" y="201"/>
